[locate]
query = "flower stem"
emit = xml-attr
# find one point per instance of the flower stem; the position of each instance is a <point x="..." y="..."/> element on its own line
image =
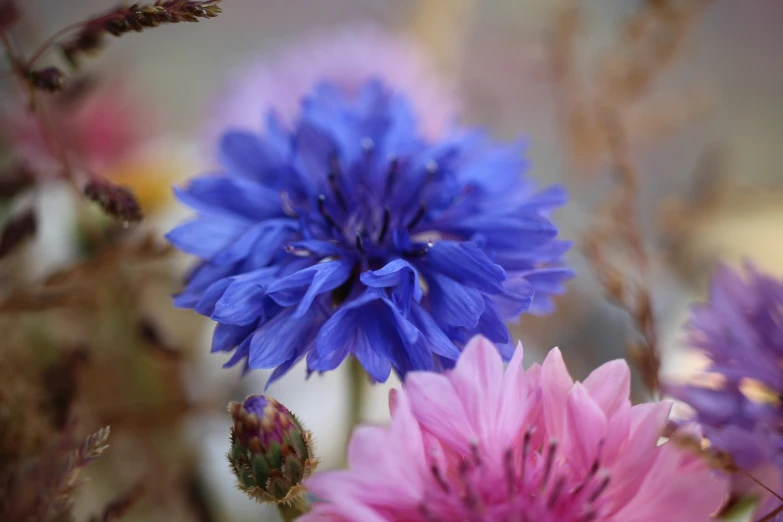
<point x="296" y="509"/>
<point x="356" y="379"/>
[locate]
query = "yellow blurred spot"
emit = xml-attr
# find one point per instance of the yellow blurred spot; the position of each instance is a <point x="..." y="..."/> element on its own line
<point x="150" y="178"/>
<point x="758" y="392"/>
<point x="712" y="381"/>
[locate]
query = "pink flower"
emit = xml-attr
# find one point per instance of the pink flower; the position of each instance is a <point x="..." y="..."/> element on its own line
<point x="99" y="127"/>
<point x="347" y="58"/>
<point x="481" y="444"/>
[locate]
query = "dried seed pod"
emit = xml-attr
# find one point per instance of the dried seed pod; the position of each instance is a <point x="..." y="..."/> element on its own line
<point x="117" y="201"/>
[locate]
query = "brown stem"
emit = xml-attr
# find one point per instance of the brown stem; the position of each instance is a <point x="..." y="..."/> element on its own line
<point x="39" y="112"/>
<point x="49" y="42"/>
<point x="770" y="516"/>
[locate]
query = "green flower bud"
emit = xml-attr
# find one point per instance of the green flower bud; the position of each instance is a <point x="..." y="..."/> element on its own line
<point x="270" y="452"/>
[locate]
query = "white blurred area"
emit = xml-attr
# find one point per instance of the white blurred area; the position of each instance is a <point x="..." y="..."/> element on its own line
<point x="494" y="53"/>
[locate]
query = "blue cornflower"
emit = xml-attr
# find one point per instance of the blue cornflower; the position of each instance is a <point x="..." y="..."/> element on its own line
<point x="740" y="330"/>
<point x="349" y="234"/>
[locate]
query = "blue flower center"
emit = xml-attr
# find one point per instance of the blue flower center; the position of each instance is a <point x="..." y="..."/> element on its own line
<point x="371" y="226"/>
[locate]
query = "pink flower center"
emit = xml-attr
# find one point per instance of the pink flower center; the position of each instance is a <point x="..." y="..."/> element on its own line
<point x="528" y="486"/>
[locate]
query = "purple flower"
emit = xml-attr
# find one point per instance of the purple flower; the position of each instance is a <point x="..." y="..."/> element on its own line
<point x="740" y="329"/>
<point x="345" y="57"/>
<point x="349" y="234"/>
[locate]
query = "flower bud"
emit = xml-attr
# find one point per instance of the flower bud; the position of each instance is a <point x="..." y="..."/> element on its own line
<point x="270" y="451"/>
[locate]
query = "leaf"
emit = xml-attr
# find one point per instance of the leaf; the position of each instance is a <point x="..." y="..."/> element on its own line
<point x="741" y="510"/>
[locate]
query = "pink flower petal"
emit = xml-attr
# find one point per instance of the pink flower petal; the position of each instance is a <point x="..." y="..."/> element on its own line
<point x="618" y="430"/>
<point x="555" y="383"/>
<point x="610" y="385"/>
<point x="586" y="428"/>
<point x="647" y="422"/>
<point x="478" y="381"/>
<point x="439" y="410"/>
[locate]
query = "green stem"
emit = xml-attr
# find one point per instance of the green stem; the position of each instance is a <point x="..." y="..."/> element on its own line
<point x="357" y="380"/>
<point x="296" y="509"/>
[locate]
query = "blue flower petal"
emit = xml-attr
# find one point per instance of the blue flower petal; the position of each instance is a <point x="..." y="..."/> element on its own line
<point x="242" y="351"/>
<point x="199" y="281"/>
<point x="386" y="331"/>
<point x="399" y="275"/>
<point x="524" y="259"/>
<point x="518" y="297"/>
<point x="467" y="264"/>
<point x="204" y="237"/>
<point x="242" y="301"/>
<point x="454" y="304"/>
<point x="378" y="367"/>
<point x="520" y="232"/>
<point x="303" y="286"/>
<point x="259" y="243"/>
<point x="231" y="196"/>
<point x="227" y="336"/>
<point x="210" y="297"/>
<point x="436" y="338"/>
<point x="244" y="154"/>
<point x="276" y="341"/>
<point x="491" y="324"/>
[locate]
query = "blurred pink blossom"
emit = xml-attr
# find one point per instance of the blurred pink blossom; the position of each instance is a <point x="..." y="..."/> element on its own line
<point x="484" y="444"/>
<point x="347" y="58"/>
<point x="99" y="128"/>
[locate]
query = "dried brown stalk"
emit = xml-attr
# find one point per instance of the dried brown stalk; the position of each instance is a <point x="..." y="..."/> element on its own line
<point x="134" y="18"/>
<point x="42" y="489"/>
<point x="80" y="285"/>
<point x="649" y="43"/>
<point x="597" y="109"/>
<point x="119" y="507"/>
<point x="88" y="38"/>
<point x="55" y="501"/>
<point x="620" y="239"/>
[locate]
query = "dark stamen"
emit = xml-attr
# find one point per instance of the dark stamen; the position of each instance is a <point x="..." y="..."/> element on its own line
<point x="470" y="498"/>
<point x="593" y="470"/>
<point x="391" y="173"/>
<point x="508" y="463"/>
<point x="590" y="516"/>
<point x="600" y="489"/>
<point x="334" y="163"/>
<point x="385" y="224"/>
<point x="550" y="459"/>
<point x="419" y="252"/>
<point x="420" y="214"/>
<point x="525" y="448"/>
<point x="359" y="242"/>
<point x="556" y="492"/>
<point x="427" y="514"/>
<point x="474" y="451"/>
<point x="439" y="478"/>
<point x="338" y="194"/>
<point x="327" y="217"/>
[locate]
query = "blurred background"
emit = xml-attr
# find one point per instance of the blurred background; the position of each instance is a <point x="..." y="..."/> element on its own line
<point x="90" y="337"/>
